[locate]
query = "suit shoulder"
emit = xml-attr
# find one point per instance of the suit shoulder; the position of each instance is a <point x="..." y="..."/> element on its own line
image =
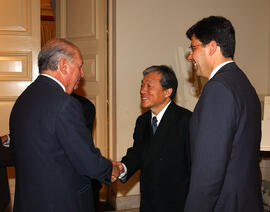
<point x="144" y="116"/>
<point x="83" y="100"/>
<point x="183" y="111"/>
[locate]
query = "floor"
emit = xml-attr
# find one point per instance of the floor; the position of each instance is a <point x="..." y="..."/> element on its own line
<point x="104" y="207"/>
<point x="131" y="210"/>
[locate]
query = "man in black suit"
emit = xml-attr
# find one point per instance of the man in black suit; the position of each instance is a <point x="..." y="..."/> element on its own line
<point x="6" y="159"/>
<point x="54" y="152"/>
<point x="161" y="147"/>
<point x="225" y="128"/>
<point x="89" y="112"/>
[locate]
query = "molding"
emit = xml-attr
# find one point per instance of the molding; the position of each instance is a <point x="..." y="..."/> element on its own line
<point x="8" y="98"/>
<point x="24" y="26"/>
<point x="18" y="60"/>
<point x="90" y="63"/>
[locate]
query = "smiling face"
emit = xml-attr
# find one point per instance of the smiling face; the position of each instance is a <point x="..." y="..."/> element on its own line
<point x="199" y="57"/>
<point x="152" y="94"/>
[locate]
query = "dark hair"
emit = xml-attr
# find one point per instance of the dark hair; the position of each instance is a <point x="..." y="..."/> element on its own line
<point x="53" y="51"/>
<point x="168" y="78"/>
<point x="215" y="28"/>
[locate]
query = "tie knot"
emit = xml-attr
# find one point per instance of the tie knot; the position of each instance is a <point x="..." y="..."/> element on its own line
<point x="154" y="124"/>
<point x="154" y="120"/>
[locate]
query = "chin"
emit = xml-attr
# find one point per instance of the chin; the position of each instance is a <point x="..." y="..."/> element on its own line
<point x="146" y="106"/>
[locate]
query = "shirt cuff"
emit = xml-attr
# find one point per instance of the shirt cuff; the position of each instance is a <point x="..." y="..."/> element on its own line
<point x="123" y="173"/>
<point x="7" y="142"/>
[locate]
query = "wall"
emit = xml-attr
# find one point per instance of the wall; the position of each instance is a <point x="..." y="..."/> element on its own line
<point x="153" y="32"/>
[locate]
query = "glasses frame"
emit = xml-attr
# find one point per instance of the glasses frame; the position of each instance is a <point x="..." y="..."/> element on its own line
<point x="193" y="47"/>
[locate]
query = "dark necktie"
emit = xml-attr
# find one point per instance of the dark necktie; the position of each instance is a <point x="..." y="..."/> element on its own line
<point x="154" y="124"/>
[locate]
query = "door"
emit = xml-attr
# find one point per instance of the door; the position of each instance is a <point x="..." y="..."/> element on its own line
<point x="20" y="44"/>
<point x="83" y="22"/>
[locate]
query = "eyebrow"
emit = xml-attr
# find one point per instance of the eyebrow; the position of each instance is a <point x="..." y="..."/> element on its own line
<point x="148" y="80"/>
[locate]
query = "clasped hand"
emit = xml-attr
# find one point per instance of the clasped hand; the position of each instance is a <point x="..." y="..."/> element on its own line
<point x="117" y="170"/>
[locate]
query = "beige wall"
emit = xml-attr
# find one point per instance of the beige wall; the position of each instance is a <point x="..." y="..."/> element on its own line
<point x="153" y="32"/>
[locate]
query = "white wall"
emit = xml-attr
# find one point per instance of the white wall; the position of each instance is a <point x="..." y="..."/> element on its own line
<point x="152" y="32"/>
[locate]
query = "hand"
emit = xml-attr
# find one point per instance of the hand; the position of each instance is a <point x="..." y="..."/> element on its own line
<point x="115" y="172"/>
<point x="119" y="165"/>
<point x="4" y="138"/>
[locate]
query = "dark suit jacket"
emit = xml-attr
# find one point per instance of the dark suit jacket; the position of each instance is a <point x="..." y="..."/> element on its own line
<point x="89" y="112"/>
<point x="163" y="159"/>
<point x="6" y="159"/>
<point x="225" y="131"/>
<point x="54" y="160"/>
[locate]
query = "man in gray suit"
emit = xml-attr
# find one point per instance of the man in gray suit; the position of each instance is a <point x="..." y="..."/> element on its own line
<point x="225" y="128"/>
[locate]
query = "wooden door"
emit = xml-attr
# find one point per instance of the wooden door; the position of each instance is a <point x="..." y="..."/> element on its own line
<point x="20" y="44"/>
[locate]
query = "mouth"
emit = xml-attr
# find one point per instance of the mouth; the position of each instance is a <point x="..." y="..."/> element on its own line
<point x="194" y="65"/>
<point x="143" y="99"/>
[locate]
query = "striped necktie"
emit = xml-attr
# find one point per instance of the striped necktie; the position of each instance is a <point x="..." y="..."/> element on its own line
<point x="154" y="124"/>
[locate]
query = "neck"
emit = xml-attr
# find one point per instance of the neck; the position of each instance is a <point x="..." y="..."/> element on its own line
<point x="217" y="61"/>
<point x="156" y="110"/>
<point x="55" y="74"/>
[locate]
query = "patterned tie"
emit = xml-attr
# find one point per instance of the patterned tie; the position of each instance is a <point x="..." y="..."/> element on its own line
<point x="154" y="124"/>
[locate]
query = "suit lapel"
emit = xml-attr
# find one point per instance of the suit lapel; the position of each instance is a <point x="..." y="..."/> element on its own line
<point x="157" y="141"/>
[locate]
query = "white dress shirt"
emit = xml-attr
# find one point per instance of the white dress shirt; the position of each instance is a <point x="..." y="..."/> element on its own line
<point x="219" y="67"/>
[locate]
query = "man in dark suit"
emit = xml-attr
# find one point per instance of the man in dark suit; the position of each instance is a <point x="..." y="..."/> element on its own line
<point x="161" y="148"/>
<point x="225" y="128"/>
<point x="54" y="152"/>
<point x="89" y="112"/>
<point x="6" y="159"/>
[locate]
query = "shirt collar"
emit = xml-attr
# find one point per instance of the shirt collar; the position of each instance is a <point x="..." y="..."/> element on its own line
<point x="161" y="113"/>
<point x="219" y="67"/>
<point x="62" y="86"/>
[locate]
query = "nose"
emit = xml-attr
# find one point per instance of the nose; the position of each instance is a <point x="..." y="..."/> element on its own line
<point x="82" y="73"/>
<point x="142" y="90"/>
<point x="190" y="56"/>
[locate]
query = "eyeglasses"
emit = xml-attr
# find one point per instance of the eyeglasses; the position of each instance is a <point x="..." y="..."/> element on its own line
<point x="193" y="47"/>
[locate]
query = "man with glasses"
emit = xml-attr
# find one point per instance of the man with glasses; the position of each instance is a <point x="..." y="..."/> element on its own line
<point x="225" y="128"/>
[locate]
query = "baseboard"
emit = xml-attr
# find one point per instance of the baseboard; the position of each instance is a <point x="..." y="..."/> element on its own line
<point x="127" y="202"/>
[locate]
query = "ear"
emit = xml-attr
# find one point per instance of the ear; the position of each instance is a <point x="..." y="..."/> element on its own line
<point x="168" y="92"/>
<point x="63" y="66"/>
<point x="212" y="47"/>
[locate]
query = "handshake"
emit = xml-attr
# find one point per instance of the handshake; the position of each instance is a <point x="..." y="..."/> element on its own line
<point x="117" y="170"/>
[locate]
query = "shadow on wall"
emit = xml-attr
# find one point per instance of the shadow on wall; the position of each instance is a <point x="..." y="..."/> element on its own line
<point x="124" y="188"/>
<point x="189" y="84"/>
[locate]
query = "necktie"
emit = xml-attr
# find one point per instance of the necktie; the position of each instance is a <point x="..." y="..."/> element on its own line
<point x="154" y="124"/>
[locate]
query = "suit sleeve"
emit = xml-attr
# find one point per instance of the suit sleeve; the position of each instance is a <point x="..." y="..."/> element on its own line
<point x="212" y="146"/>
<point x="132" y="159"/>
<point x="76" y="140"/>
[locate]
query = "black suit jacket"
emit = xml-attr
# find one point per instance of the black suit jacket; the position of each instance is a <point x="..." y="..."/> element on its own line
<point x="54" y="160"/>
<point x="6" y="159"/>
<point x="225" y="131"/>
<point x="163" y="159"/>
<point x="89" y="112"/>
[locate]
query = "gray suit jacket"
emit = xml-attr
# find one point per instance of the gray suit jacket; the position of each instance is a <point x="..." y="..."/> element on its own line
<point x="225" y="131"/>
